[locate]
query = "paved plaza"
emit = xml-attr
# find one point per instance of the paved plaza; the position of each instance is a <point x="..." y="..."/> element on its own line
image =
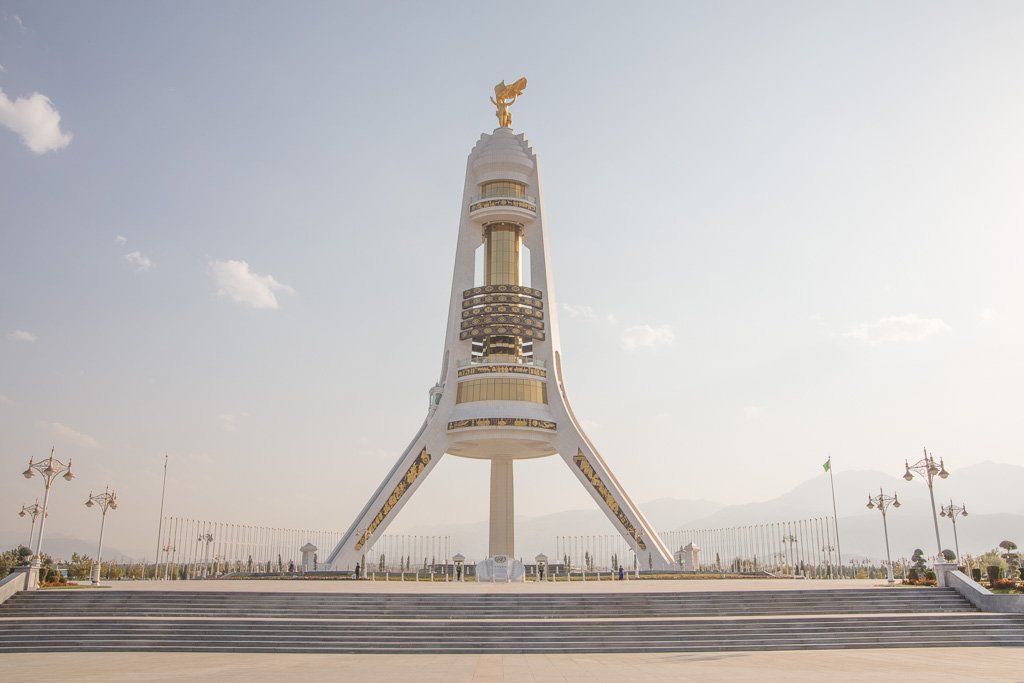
<point x="975" y="665"/>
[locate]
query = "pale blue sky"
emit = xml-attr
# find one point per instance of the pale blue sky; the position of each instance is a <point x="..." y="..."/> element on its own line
<point x="815" y="207"/>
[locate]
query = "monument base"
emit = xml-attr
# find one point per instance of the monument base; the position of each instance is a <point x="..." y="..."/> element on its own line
<point x="500" y="568"/>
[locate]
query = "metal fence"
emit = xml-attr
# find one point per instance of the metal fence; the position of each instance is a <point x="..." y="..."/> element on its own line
<point x="192" y="548"/>
<point x="804" y="547"/>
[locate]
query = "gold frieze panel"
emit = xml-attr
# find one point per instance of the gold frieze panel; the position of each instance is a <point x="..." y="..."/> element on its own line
<point x="502" y="369"/>
<point x="502" y="320"/>
<point x="502" y="299"/>
<point x="411" y="475"/>
<point x="502" y="289"/>
<point x="509" y="309"/>
<point x="502" y="422"/>
<point x="508" y="330"/>
<point x="488" y="203"/>
<point x="588" y="471"/>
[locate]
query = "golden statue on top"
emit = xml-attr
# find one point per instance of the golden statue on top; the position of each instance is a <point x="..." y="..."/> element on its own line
<point x="504" y="97"/>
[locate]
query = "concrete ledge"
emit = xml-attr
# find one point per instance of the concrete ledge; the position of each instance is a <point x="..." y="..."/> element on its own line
<point x="983" y="598"/>
<point x="20" y="579"/>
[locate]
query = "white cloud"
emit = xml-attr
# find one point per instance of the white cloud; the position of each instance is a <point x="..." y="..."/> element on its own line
<point x="22" y="336"/>
<point x="574" y="311"/>
<point x="139" y="261"/>
<point x="36" y="120"/>
<point x="752" y="412"/>
<point x="76" y="437"/>
<point x="229" y="422"/>
<point x="3" y="69"/>
<point x="647" y="337"/>
<point x="898" y="328"/>
<point x="5" y="400"/>
<point x="120" y="239"/>
<point x="235" y="281"/>
<point x="988" y="315"/>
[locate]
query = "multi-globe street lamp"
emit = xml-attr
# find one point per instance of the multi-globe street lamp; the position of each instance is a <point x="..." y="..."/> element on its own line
<point x="107" y="501"/>
<point x="168" y="549"/>
<point x="50" y="468"/>
<point x="34" y="510"/>
<point x="208" y="537"/>
<point x="790" y="539"/>
<point x="926" y="468"/>
<point x="882" y="502"/>
<point x="954" y="511"/>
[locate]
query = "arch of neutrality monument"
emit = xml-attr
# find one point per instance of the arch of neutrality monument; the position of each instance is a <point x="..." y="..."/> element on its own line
<point x="501" y="395"/>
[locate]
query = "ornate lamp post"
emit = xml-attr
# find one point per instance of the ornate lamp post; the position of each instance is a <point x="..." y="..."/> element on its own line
<point x="882" y="502"/>
<point x="168" y="549"/>
<point x="208" y="537"/>
<point x="828" y="560"/>
<point x="34" y="510"/>
<point x="954" y="511"/>
<point x="107" y="501"/>
<point x="51" y="468"/>
<point x="790" y="539"/>
<point x="926" y="468"/>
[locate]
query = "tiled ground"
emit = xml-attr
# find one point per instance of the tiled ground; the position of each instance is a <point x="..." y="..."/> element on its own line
<point x="974" y="665"/>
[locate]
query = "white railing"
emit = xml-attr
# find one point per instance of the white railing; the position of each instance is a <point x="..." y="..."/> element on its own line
<point x="487" y="360"/>
<point x="528" y="199"/>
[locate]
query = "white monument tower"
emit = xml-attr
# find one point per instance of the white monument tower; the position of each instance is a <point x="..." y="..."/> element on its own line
<point x="501" y="396"/>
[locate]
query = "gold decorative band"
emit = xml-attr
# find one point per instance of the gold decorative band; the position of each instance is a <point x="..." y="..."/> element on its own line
<point x="488" y="203"/>
<point x="507" y="309"/>
<point x="503" y="299"/>
<point x="511" y="330"/>
<point x="588" y="470"/>
<point x="510" y="369"/>
<point x="502" y="422"/>
<point x="411" y="474"/>
<point x="502" y="320"/>
<point x="502" y="289"/>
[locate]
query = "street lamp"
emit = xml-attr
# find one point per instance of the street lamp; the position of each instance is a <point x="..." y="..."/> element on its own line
<point x="50" y="468"/>
<point x="107" y="501"/>
<point x="926" y="468"/>
<point x="168" y="549"/>
<point x="34" y="510"/>
<point x="882" y="502"/>
<point x="791" y="539"/>
<point x="953" y="511"/>
<point x="208" y="537"/>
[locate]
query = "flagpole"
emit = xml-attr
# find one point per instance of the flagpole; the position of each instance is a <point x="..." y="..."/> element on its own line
<point x="160" y="522"/>
<point x="835" y="515"/>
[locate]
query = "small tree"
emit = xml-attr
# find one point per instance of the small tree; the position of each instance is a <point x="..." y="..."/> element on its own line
<point x="1012" y="558"/>
<point x="919" y="568"/>
<point x="948" y="555"/>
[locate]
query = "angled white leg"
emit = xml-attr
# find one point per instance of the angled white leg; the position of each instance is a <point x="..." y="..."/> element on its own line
<point x="592" y="471"/>
<point x="393" y="493"/>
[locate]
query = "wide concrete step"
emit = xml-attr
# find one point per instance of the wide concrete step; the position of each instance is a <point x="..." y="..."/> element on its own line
<point x="513" y="636"/>
<point x="457" y="605"/>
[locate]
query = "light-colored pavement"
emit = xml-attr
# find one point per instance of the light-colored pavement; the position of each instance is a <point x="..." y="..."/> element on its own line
<point x="349" y="586"/>
<point x="973" y="665"/>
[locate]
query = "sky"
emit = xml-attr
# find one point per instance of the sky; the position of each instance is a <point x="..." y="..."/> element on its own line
<point x="779" y="232"/>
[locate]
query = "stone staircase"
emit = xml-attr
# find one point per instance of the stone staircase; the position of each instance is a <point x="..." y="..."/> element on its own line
<point x="111" y="620"/>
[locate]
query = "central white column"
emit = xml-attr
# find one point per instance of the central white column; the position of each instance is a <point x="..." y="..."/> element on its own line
<point x="502" y="509"/>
